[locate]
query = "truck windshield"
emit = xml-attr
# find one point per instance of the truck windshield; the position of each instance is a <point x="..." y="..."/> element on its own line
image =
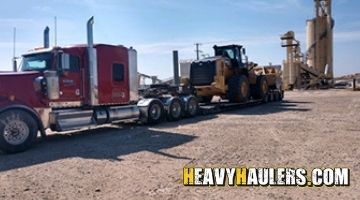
<point x="36" y="62"/>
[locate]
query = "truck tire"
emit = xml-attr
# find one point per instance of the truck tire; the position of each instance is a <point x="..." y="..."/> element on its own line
<point x="261" y="89"/>
<point x="191" y="107"/>
<point x="155" y="112"/>
<point x="238" y="89"/>
<point x="18" y="131"/>
<point x="174" y="110"/>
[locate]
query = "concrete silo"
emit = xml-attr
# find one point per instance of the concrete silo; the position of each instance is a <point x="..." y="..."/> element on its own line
<point x="314" y="69"/>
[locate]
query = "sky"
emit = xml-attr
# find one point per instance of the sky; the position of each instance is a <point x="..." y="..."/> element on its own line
<point x="157" y="27"/>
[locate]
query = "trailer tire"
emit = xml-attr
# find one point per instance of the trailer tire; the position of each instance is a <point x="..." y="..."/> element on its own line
<point x="266" y="99"/>
<point x="18" y="131"/>
<point x="271" y="97"/>
<point x="277" y="96"/>
<point x="155" y="112"/>
<point x="174" y="110"/>
<point x="239" y="89"/>
<point x="191" y="107"/>
<point x="261" y="89"/>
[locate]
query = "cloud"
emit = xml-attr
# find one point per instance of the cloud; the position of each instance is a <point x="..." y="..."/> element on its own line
<point x="187" y="46"/>
<point x="347" y="36"/>
<point x="267" y="6"/>
<point x="93" y="5"/>
<point x="20" y="45"/>
<point x="16" y="22"/>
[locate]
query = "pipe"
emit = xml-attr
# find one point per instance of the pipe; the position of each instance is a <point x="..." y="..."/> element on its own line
<point x="354" y="84"/>
<point x="90" y="39"/>
<point x="92" y="64"/>
<point x="176" y="68"/>
<point x="14" y="52"/>
<point x="46" y="37"/>
<point x="14" y="65"/>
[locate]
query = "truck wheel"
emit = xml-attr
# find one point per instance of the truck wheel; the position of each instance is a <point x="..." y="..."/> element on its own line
<point x="155" y="112"/>
<point x="175" y="110"/>
<point x="261" y="89"/>
<point x="239" y="90"/>
<point x="191" y="107"/>
<point x="18" y="131"/>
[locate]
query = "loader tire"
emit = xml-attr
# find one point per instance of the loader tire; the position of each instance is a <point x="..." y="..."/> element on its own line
<point x="261" y="89"/>
<point x="18" y="131"/>
<point x="238" y="89"/>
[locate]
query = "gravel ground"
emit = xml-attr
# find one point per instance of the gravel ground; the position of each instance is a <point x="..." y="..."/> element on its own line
<point x="309" y="129"/>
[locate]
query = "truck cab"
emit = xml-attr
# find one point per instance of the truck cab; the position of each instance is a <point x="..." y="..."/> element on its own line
<point x="74" y="87"/>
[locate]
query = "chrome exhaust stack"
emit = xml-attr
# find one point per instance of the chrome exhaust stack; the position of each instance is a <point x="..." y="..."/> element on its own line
<point x="92" y="62"/>
<point x="46" y="37"/>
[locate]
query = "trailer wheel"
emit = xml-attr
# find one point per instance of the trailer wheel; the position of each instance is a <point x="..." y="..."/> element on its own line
<point x="277" y="96"/>
<point x="155" y="112"/>
<point x="191" y="108"/>
<point x="271" y="97"/>
<point x="174" y="110"/>
<point x="18" y="131"/>
<point x="266" y="98"/>
<point x="239" y="90"/>
<point x="261" y="89"/>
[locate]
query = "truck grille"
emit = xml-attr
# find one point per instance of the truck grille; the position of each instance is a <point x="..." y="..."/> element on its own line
<point x="202" y="73"/>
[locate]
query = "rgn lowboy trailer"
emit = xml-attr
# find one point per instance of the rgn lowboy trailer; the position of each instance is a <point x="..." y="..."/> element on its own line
<point x="67" y="88"/>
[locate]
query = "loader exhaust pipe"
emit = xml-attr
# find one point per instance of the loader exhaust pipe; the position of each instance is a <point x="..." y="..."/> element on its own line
<point x="92" y="64"/>
<point x="46" y="37"/>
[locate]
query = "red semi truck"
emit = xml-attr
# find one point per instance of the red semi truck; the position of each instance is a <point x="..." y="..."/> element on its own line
<point x="66" y="88"/>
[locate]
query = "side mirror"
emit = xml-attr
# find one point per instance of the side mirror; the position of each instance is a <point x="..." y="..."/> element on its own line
<point x="244" y="51"/>
<point x="63" y="62"/>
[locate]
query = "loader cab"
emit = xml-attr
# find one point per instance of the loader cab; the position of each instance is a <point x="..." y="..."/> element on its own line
<point x="235" y="53"/>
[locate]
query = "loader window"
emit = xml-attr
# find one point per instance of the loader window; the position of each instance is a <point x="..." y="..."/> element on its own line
<point x="118" y="72"/>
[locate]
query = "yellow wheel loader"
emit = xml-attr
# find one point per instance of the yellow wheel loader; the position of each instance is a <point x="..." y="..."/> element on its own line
<point x="229" y="75"/>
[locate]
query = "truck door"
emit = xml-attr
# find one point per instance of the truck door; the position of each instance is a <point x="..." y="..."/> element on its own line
<point x="70" y="79"/>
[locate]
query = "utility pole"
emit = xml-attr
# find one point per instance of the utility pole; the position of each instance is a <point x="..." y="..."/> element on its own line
<point x="198" y="51"/>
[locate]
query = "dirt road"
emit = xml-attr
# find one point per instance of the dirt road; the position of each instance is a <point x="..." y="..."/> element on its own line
<point x="309" y="129"/>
